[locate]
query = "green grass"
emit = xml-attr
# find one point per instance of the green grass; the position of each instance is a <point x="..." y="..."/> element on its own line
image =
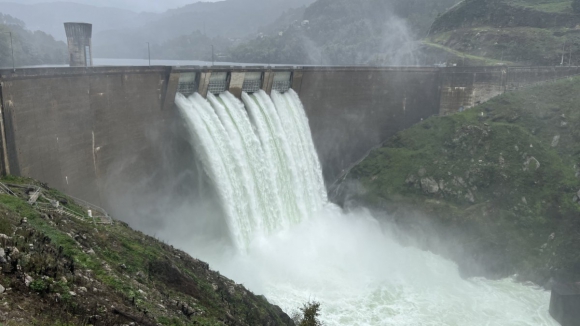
<point x="470" y="60"/>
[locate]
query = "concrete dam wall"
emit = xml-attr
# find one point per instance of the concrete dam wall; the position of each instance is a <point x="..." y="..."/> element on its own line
<point x="78" y="128"/>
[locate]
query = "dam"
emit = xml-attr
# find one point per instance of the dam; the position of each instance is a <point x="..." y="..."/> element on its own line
<point x="75" y="127"/>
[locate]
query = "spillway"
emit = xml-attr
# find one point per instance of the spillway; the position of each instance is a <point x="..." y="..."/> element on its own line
<point x="294" y="246"/>
<point x="261" y="160"/>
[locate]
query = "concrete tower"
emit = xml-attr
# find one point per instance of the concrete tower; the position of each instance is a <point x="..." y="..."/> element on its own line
<point x="80" y="49"/>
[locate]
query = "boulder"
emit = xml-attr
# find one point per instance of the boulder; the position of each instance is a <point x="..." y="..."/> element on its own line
<point x="2" y="289"/>
<point x="28" y="279"/>
<point x="429" y="185"/>
<point x="555" y="140"/>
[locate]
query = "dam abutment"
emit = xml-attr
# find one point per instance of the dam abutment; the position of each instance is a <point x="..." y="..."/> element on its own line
<point x="72" y="127"/>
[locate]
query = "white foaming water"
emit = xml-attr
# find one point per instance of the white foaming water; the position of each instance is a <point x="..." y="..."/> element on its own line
<point x="293" y="246"/>
<point x="267" y="173"/>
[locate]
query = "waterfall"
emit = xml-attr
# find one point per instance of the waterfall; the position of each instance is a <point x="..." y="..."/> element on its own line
<point x="260" y="157"/>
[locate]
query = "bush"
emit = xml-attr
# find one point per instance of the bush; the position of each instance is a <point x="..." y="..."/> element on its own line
<point x="39" y="286"/>
<point x="309" y="316"/>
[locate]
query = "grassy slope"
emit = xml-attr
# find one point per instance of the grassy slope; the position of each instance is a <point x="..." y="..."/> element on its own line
<point x="110" y="265"/>
<point x="544" y="5"/>
<point x="522" y="44"/>
<point x="484" y="157"/>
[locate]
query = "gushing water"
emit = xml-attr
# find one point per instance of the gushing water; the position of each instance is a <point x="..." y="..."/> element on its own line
<point x="262" y="161"/>
<point x="293" y="246"/>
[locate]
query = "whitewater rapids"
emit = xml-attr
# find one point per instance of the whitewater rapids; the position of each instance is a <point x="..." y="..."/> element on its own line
<point x="293" y="246"/>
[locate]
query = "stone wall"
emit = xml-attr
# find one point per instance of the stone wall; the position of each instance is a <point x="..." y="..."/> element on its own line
<point x="465" y="87"/>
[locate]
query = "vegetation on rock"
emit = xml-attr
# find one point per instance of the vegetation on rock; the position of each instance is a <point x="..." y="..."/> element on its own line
<point x="58" y="270"/>
<point x="502" y="180"/>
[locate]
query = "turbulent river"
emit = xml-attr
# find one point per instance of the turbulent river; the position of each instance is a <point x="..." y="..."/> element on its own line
<point x="294" y="246"/>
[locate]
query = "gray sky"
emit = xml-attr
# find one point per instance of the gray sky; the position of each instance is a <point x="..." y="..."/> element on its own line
<point x="134" y="5"/>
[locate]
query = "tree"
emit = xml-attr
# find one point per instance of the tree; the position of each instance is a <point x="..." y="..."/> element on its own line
<point x="309" y="315"/>
<point x="576" y="6"/>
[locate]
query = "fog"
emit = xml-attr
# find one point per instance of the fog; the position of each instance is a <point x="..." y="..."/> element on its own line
<point x="133" y="5"/>
<point x="302" y="32"/>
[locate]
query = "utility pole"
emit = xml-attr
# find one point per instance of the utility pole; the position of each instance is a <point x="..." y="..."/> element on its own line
<point x="149" y="52"/>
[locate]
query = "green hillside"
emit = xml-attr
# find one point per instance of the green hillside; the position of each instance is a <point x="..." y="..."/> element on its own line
<point x="60" y="267"/>
<point x="502" y="180"/>
<point x="30" y="48"/>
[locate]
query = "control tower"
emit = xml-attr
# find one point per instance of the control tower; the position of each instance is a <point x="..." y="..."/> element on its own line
<point x="80" y="50"/>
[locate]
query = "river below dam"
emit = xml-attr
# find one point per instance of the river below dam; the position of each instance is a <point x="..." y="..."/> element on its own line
<point x="290" y="244"/>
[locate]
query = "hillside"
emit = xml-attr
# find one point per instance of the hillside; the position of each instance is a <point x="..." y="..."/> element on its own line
<point x="49" y="17"/>
<point x="496" y="188"/>
<point x="527" y="32"/>
<point x="60" y="267"/>
<point x="230" y="19"/>
<point x="30" y="48"/>
<point x="345" y="33"/>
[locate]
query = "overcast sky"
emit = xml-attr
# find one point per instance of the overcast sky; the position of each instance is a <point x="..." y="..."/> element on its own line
<point x="135" y="5"/>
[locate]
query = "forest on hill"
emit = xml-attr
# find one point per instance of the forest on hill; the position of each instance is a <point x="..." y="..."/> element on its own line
<point x="30" y="47"/>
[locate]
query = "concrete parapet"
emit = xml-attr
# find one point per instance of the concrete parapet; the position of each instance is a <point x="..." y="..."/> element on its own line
<point x="565" y="304"/>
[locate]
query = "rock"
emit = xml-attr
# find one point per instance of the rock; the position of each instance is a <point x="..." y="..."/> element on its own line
<point x="90" y="252"/>
<point x="28" y="279"/>
<point x="422" y="172"/>
<point x="469" y="196"/>
<point x="160" y="306"/>
<point x="458" y="182"/>
<point x="524" y="200"/>
<point x="82" y="289"/>
<point x="72" y="293"/>
<point x="24" y="220"/>
<point x="123" y="266"/>
<point x="563" y="124"/>
<point x="63" y="280"/>
<point x="501" y="160"/>
<point x="556" y="141"/>
<point x="517" y="148"/>
<point x="442" y="185"/>
<point x="429" y="185"/>
<point x="552" y="236"/>
<point x="140" y="274"/>
<point x="531" y="163"/>
<point x="2" y="289"/>
<point x="5" y="237"/>
<point x="14" y="252"/>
